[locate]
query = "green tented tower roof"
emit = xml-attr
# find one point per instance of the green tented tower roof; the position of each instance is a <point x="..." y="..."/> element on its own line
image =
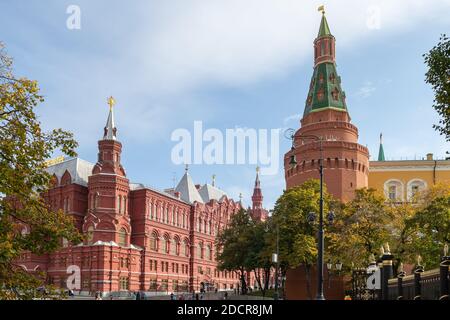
<point x="325" y="90"/>
<point x="324" y="28"/>
<point x="381" y="150"/>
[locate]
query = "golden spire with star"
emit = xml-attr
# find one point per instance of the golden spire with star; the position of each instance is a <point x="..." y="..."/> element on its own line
<point x="111" y="102"/>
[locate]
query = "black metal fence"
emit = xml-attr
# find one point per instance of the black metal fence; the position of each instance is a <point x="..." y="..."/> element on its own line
<point x="407" y="288"/>
<point x="421" y="285"/>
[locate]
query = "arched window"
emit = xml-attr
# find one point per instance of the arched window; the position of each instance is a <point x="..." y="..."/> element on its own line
<point x="200" y="251"/>
<point x="122" y="237"/>
<point x="173" y="247"/>
<point x="119" y="204"/>
<point x="154" y="242"/>
<point x="414" y="187"/>
<point x="153" y="212"/>
<point x="90" y="234"/>
<point x="173" y="215"/>
<point x="186" y="248"/>
<point x="176" y="246"/>
<point x="393" y="190"/>
<point x="208" y="252"/>
<point x="166" y="244"/>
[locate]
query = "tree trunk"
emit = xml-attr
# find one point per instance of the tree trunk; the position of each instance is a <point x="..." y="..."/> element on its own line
<point x="243" y="283"/>
<point x="308" y="281"/>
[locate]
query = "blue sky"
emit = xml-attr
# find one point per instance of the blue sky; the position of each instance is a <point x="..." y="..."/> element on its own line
<point x="229" y="63"/>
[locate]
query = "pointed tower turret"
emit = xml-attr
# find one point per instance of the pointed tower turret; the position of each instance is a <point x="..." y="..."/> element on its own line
<point x="257" y="198"/>
<point x="257" y="211"/>
<point x="381" y="150"/>
<point x="108" y="218"/>
<point x="325" y="90"/>
<point x="326" y="118"/>
<point x="110" y="128"/>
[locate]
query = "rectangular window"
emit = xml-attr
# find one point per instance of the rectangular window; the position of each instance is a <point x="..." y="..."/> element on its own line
<point x="124" y="284"/>
<point x="153" y="284"/>
<point x="392" y="193"/>
<point x="175" y="285"/>
<point x="164" y="284"/>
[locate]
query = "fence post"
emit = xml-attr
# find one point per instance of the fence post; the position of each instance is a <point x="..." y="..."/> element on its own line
<point x="387" y="272"/>
<point x="400" y="276"/>
<point x="417" y="277"/>
<point x="380" y="267"/>
<point x="444" y="266"/>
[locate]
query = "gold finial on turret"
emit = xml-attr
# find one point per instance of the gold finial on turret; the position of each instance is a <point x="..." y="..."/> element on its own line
<point x="322" y="9"/>
<point x="419" y="260"/>
<point x="111" y="102"/>
<point x="388" y="250"/>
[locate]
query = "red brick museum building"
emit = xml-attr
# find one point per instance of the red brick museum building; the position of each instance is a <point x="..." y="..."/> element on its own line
<point x="137" y="237"/>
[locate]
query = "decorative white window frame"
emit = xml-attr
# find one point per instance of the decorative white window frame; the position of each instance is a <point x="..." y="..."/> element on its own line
<point x="411" y="183"/>
<point x="400" y="189"/>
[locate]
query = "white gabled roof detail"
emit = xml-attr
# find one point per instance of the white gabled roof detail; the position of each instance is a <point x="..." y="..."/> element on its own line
<point x="209" y="192"/>
<point x="188" y="191"/>
<point x="78" y="169"/>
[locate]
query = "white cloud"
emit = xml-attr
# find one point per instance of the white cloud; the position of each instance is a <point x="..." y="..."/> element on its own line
<point x="366" y="90"/>
<point x="293" y="117"/>
<point x="237" y="42"/>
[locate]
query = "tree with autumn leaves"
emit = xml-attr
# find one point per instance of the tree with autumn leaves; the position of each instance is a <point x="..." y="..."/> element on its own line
<point x="27" y="223"/>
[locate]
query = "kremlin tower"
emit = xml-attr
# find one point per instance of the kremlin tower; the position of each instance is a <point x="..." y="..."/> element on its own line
<point x="326" y="118"/>
<point x="258" y="213"/>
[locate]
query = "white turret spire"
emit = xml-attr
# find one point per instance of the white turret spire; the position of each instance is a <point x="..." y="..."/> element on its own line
<point x="110" y="128"/>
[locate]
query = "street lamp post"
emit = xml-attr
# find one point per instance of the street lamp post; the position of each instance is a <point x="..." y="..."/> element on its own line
<point x="320" y="242"/>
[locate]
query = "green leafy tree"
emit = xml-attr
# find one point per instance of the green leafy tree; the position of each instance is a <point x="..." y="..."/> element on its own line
<point x="361" y="229"/>
<point x="402" y="233"/>
<point x="431" y="225"/>
<point x="24" y="147"/>
<point x="297" y="236"/>
<point x="233" y="245"/>
<point x="438" y="76"/>
<point x="259" y="259"/>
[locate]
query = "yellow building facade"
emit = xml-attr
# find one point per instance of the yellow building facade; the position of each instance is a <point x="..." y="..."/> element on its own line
<point x="399" y="180"/>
